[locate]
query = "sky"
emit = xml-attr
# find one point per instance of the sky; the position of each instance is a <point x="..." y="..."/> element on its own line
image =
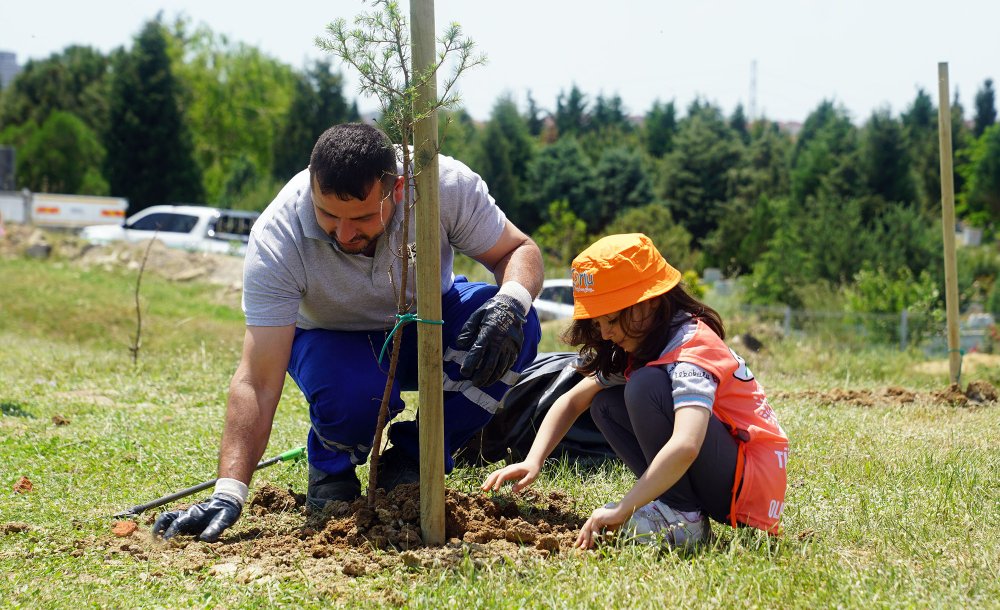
<point x="864" y="54"/>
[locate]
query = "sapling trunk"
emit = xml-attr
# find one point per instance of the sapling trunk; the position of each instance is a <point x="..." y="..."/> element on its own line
<point x="397" y="338"/>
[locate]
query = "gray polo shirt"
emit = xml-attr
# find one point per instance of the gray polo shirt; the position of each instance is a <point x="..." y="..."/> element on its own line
<point x="295" y="274"/>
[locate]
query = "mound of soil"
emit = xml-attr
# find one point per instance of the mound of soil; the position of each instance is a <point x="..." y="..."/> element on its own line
<point x="277" y="535"/>
<point x="977" y="393"/>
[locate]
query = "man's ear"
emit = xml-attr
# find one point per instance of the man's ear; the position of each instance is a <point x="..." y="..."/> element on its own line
<point x="397" y="189"/>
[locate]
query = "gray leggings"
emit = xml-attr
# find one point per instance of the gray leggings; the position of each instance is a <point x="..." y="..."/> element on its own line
<point x="637" y="420"/>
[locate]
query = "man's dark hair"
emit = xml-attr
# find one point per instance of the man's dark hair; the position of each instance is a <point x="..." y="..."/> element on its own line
<point x="347" y="160"/>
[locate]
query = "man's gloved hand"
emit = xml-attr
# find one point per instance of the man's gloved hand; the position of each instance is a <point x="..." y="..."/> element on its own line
<point x="493" y="336"/>
<point x="206" y="520"/>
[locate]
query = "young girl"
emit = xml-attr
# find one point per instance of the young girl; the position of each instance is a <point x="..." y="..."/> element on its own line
<point x="680" y="408"/>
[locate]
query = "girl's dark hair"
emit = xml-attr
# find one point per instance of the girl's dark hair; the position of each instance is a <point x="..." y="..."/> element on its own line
<point x="600" y="356"/>
<point x="348" y="158"/>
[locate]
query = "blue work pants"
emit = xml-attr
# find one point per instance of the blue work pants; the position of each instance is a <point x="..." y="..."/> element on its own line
<point x="341" y="378"/>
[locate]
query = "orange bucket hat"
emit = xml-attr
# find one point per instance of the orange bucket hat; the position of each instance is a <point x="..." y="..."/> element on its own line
<point x="618" y="271"/>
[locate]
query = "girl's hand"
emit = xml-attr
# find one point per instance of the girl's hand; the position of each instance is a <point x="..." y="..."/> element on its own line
<point x="608" y="517"/>
<point x="526" y="472"/>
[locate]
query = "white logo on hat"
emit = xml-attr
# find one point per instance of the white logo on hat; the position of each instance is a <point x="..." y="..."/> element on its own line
<point x="583" y="281"/>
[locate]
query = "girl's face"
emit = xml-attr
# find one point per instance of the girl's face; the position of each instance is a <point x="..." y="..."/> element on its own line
<point x="615" y="326"/>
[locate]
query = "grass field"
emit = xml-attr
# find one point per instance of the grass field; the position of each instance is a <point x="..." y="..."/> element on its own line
<point x="891" y="504"/>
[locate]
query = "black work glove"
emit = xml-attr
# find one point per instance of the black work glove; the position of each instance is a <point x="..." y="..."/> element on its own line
<point x="493" y="336"/>
<point x="206" y="520"/>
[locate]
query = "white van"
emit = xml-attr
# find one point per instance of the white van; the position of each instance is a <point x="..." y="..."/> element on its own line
<point x="189" y="227"/>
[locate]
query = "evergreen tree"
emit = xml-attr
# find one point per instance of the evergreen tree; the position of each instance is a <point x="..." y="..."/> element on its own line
<point x="695" y="174"/>
<point x="533" y="117"/>
<point x="825" y="157"/>
<point x="986" y="109"/>
<point x="980" y="198"/>
<point x="920" y="127"/>
<point x="763" y="167"/>
<point x="659" y="128"/>
<point x="558" y="171"/>
<point x="746" y="219"/>
<point x="458" y="136"/>
<point x="149" y="152"/>
<point x="317" y="104"/>
<point x="738" y="123"/>
<point x="571" y="113"/>
<point x="621" y="182"/>
<point x="497" y="170"/>
<point x="827" y="117"/>
<point x="608" y="114"/>
<point x="961" y="138"/>
<point x="825" y="244"/>
<point x="886" y="161"/>
<point x="505" y="151"/>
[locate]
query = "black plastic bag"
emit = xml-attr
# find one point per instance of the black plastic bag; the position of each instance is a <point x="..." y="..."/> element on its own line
<point x="510" y="433"/>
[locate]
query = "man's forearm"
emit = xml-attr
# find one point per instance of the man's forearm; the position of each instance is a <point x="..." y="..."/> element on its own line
<point x="524" y="266"/>
<point x="249" y="416"/>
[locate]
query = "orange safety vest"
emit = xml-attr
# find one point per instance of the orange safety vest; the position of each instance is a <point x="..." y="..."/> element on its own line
<point x="760" y="482"/>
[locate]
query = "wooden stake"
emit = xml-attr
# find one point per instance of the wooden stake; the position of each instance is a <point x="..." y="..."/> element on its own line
<point x="948" y="222"/>
<point x="429" y="377"/>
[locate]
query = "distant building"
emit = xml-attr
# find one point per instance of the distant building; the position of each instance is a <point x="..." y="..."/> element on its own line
<point x="8" y="68"/>
<point x="792" y="128"/>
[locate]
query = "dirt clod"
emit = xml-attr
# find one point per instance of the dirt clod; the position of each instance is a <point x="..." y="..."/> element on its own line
<point x="14" y="527"/>
<point x="548" y="543"/>
<point x="354" y="567"/>
<point x="121" y="529"/>
<point x="23" y="486"/>
<point x="981" y="391"/>
<point x="270" y="498"/>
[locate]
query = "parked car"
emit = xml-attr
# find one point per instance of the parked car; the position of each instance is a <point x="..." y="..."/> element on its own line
<point x="555" y="301"/>
<point x="190" y="227"/>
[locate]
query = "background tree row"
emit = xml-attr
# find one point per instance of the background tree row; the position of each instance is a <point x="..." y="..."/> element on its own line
<point x="185" y="115"/>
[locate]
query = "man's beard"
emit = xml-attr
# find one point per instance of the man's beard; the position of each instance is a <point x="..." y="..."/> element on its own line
<point x="358" y="245"/>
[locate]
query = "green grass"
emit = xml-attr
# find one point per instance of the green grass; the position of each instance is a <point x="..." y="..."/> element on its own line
<point x="893" y="505"/>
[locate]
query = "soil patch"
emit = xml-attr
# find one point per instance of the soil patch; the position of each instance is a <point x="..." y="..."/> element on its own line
<point x="977" y="393"/>
<point x="277" y="536"/>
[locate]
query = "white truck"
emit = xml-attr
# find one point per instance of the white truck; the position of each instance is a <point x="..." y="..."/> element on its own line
<point x="55" y="211"/>
<point x="196" y="228"/>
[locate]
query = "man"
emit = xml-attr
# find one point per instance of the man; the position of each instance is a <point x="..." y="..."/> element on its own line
<point x="321" y="279"/>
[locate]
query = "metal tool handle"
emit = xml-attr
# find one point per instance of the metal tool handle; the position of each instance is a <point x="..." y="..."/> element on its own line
<point x="291" y="454"/>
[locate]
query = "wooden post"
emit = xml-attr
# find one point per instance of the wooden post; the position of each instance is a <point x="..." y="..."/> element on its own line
<point x="948" y="222"/>
<point x="429" y="377"/>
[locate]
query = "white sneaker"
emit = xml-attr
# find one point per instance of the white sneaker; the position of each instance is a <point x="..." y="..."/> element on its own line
<point x="658" y="524"/>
